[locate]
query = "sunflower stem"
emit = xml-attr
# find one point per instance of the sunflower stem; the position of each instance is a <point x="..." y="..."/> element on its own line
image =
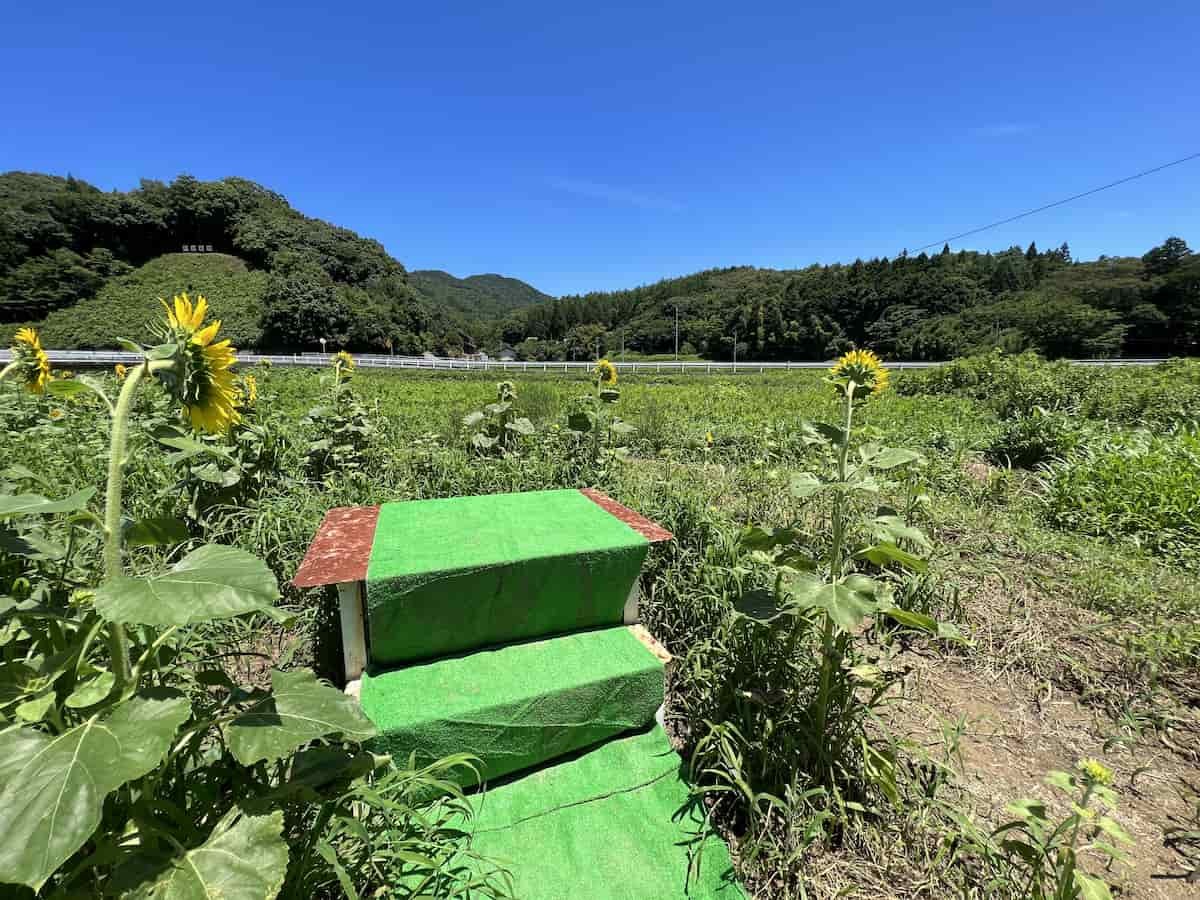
<point x="9" y="369"/>
<point x="118" y="641"/>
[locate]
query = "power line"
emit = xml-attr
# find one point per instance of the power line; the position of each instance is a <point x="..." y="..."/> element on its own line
<point x="1061" y="202"/>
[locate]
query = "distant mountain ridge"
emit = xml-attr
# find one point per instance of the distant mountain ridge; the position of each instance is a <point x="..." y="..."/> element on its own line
<point x="487" y="296"/>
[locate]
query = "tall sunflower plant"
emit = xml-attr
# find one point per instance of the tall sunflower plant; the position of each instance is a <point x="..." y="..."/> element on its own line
<point x="593" y="419"/>
<point x="341" y="427"/>
<point x="130" y="761"/>
<point x="830" y="580"/>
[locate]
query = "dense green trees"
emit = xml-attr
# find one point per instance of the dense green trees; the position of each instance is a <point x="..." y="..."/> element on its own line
<point x="64" y="245"/>
<point x="918" y="307"/>
<point x="63" y="242"/>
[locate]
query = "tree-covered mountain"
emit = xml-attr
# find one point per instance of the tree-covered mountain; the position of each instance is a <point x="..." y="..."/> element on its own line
<point x="910" y="307"/>
<point x="476" y="296"/>
<point x="86" y="265"/>
<point x="63" y="241"/>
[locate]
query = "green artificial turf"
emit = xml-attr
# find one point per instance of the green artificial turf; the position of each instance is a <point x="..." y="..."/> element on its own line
<point x="612" y="824"/>
<point x="454" y="574"/>
<point x="517" y="706"/>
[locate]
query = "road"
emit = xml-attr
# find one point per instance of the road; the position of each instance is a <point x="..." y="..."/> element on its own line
<point x="105" y="358"/>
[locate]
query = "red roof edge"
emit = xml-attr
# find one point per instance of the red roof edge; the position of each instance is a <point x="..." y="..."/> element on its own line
<point x="651" y="531"/>
<point x="341" y="548"/>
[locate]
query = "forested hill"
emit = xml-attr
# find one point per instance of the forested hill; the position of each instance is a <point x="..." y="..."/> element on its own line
<point x="476" y="296"/>
<point x="86" y="266"/>
<point x="910" y="307"/>
<point x="288" y="279"/>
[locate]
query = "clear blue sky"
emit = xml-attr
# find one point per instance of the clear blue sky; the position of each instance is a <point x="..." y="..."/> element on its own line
<point x="596" y="146"/>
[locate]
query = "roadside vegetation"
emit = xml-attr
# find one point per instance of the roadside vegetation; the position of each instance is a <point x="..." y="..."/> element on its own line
<point x="936" y="634"/>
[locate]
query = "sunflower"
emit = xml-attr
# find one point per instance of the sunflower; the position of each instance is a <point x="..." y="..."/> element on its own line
<point x="1095" y="771"/>
<point x="864" y="369"/>
<point x="201" y="379"/>
<point x="606" y="372"/>
<point x="121" y="371"/>
<point x="343" y="360"/>
<point x="30" y="360"/>
<point x="248" y="390"/>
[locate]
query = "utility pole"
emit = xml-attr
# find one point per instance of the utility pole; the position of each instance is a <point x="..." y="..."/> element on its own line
<point x="676" y="332"/>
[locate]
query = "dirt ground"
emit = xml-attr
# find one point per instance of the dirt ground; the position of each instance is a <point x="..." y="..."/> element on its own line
<point x="1019" y="692"/>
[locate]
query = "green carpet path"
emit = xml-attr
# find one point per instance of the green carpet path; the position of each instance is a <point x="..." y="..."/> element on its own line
<point x="517" y="706"/>
<point x="455" y="574"/>
<point x="612" y="824"/>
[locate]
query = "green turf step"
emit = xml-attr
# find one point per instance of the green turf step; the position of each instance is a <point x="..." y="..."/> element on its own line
<point x="614" y="823"/>
<point x="518" y="706"/>
<point x="454" y="574"/>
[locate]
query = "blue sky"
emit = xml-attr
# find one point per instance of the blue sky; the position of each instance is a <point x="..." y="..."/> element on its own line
<point x="598" y="146"/>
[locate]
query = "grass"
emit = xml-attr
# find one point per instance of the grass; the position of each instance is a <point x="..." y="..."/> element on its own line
<point x="120" y="309"/>
<point x="1075" y="577"/>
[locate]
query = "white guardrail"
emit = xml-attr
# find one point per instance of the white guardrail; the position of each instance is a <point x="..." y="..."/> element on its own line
<point x="105" y="358"/>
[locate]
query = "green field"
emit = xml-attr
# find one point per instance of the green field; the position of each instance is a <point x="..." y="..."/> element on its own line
<point x="1060" y="508"/>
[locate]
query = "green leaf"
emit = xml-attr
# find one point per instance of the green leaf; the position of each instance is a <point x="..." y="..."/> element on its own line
<point x="846" y="606"/>
<point x="53" y="789"/>
<point x="470" y="420"/>
<point x="521" y="426"/>
<point x="91" y="691"/>
<point x="895" y="529"/>
<point x="244" y="862"/>
<point x="755" y="538"/>
<point x="313" y="768"/>
<point x="623" y="428"/>
<point x="213" y="582"/>
<point x="1091" y="888"/>
<point x="155" y="531"/>
<point x="162" y="351"/>
<point x="910" y="619"/>
<point x="69" y="388"/>
<point x="189" y="447"/>
<point x="37" y="505"/>
<point x="299" y="709"/>
<point x="805" y="485"/>
<point x="891" y="457"/>
<point x="132" y="347"/>
<point x="35" y="710"/>
<point x="610" y="395"/>
<point x="886" y="553"/>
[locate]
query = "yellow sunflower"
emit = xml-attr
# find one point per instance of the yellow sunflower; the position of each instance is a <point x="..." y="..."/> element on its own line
<point x="1095" y="771"/>
<point x="863" y="368"/>
<point x="248" y="389"/>
<point x="121" y="371"/>
<point x="343" y="362"/>
<point x="606" y="372"/>
<point x="202" y="379"/>
<point x="30" y="360"/>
